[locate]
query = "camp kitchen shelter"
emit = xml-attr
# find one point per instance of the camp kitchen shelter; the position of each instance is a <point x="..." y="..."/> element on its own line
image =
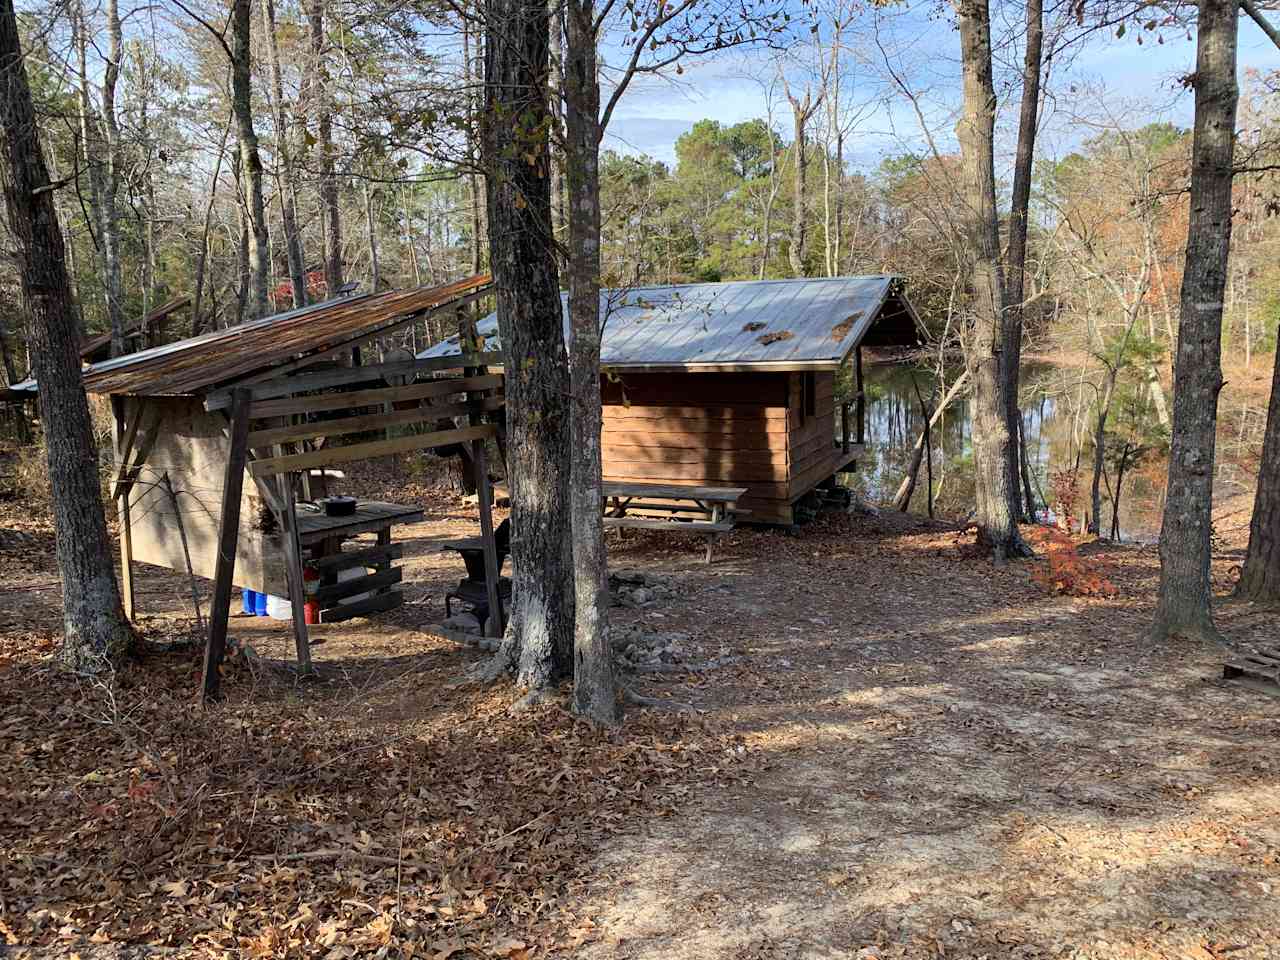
<point x="734" y="384"/>
<point x="216" y="436"/>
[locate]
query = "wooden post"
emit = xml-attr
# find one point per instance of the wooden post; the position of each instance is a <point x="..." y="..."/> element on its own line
<point x="228" y="537"/>
<point x="844" y="427"/>
<point x="293" y="569"/>
<point x="124" y="437"/>
<point x="496" y="622"/>
<point x="862" y="395"/>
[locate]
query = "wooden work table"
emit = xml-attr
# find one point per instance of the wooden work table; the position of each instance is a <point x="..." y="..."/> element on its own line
<point x="316" y="527"/>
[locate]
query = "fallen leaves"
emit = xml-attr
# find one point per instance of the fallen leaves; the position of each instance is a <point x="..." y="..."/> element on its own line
<point x="287" y="820"/>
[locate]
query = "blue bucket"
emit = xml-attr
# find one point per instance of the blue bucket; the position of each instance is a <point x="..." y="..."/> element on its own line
<point x="247" y="601"/>
<point x="260" y="604"/>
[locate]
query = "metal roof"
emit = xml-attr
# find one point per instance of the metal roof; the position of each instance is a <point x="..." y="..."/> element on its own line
<point x="750" y="325"/>
<point x="222" y="357"/>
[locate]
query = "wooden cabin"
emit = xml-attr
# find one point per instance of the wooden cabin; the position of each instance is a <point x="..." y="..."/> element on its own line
<point x="735" y="384"/>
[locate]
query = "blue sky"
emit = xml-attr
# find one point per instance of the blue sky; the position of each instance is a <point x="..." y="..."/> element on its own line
<point x="1140" y="81"/>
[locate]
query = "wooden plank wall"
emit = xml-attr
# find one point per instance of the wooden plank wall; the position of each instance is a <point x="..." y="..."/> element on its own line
<point x="811" y="436"/>
<point x="703" y="429"/>
<point x="191" y="449"/>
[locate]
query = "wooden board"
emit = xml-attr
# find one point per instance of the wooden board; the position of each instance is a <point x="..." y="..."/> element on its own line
<point x="331" y="455"/>
<point x="673" y="526"/>
<point x="349" y="588"/>
<point x="661" y="453"/>
<point x="737" y="473"/>
<point x="1264" y="665"/>
<point x="366" y="422"/>
<point x="370" y="398"/>
<point x="710" y="413"/>
<point x="649" y="388"/>
<point x="370" y="516"/>
<point x="362" y="608"/>
<point x="326" y="379"/>
<point x="743" y="438"/>
<point x="357" y="558"/>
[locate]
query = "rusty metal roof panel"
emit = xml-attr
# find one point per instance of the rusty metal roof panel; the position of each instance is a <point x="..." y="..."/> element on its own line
<point x="750" y="323"/>
<point x="222" y="357"/>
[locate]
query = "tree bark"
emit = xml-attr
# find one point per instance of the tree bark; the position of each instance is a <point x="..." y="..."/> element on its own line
<point x="996" y="497"/>
<point x="202" y="257"/>
<point x="594" y="694"/>
<point x="95" y="629"/>
<point x="539" y="640"/>
<point x="801" y="111"/>
<point x="1016" y="260"/>
<point x="330" y="214"/>
<point x="250" y="163"/>
<point x="112" y="273"/>
<point x="1260" y="579"/>
<point x="286" y="175"/>
<point x="1183" y="604"/>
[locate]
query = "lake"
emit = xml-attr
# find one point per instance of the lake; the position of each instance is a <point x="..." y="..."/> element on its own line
<point x="1053" y="435"/>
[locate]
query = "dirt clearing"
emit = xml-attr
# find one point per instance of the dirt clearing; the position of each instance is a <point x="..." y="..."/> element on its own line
<point x="909" y="754"/>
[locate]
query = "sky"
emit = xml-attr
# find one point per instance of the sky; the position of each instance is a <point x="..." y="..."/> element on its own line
<point x="1138" y="82"/>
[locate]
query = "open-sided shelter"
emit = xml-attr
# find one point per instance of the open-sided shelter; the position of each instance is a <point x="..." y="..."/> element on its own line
<point x="734" y="384"/>
<point x="217" y="436"/>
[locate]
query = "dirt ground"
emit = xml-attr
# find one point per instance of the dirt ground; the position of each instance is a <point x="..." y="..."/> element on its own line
<point x="908" y="754"/>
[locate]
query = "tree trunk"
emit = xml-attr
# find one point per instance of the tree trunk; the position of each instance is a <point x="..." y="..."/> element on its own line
<point x="902" y="499"/>
<point x="1183" y="606"/>
<point x="94" y="625"/>
<point x="800" y="112"/>
<point x="371" y="225"/>
<point x="559" y="27"/>
<point x="539" y="641"/>
<point x="594" y="695"/>
<point x="1016" y="261"/>
<point x="112" y="274"/>
<point x="1028" y="497"/>
<point x="286" y="175"/>
<point x="202" y="257"/>
<point x="1260" y="580"/>
<point x="996" y="498"/>
<point x="330" y="214"/>
<point x="250" y="163"/>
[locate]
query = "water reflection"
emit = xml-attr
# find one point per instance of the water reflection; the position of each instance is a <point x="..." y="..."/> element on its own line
<point x="1057" y="438"/>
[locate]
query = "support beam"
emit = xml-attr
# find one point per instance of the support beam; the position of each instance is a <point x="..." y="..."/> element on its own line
<point x="293" y="570"/>
<point x="496" y="622"/>
<point x="228" y="538"/>
<point x="331" y="455"/>
<point x="861" y="395"/>
<point x="125" y="435"/>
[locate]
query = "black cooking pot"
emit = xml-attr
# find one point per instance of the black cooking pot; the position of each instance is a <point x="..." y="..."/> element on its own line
<point x="338" y="506"/>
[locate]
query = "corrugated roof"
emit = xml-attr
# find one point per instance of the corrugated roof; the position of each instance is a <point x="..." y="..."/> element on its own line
<point x="222" y="357"/>
<point x="749" y="324"/>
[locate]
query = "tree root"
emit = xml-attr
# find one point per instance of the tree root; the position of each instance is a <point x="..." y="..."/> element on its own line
<point x="678" y="667"/>
<point x="634" y="699"/>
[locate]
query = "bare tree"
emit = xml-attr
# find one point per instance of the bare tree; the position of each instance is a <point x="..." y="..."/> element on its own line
<point x="802" y="111"/>
<point x="95" y="629"/>
<point x="996" y="490"/>
<point x="1016" y="256"/>
<point x="322" y="99"/>
<point x="1183" y="607"/>
<point x="286" y="175"/>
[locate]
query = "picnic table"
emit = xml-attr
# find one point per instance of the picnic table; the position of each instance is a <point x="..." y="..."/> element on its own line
<point x="676" y="508"/>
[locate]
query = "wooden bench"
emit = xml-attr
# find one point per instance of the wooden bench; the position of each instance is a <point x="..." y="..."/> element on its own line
<point x="705" y="511"/>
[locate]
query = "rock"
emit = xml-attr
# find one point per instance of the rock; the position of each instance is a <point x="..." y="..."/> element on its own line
<point x="642" y="595"/>
<point x="464" y="622"/>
